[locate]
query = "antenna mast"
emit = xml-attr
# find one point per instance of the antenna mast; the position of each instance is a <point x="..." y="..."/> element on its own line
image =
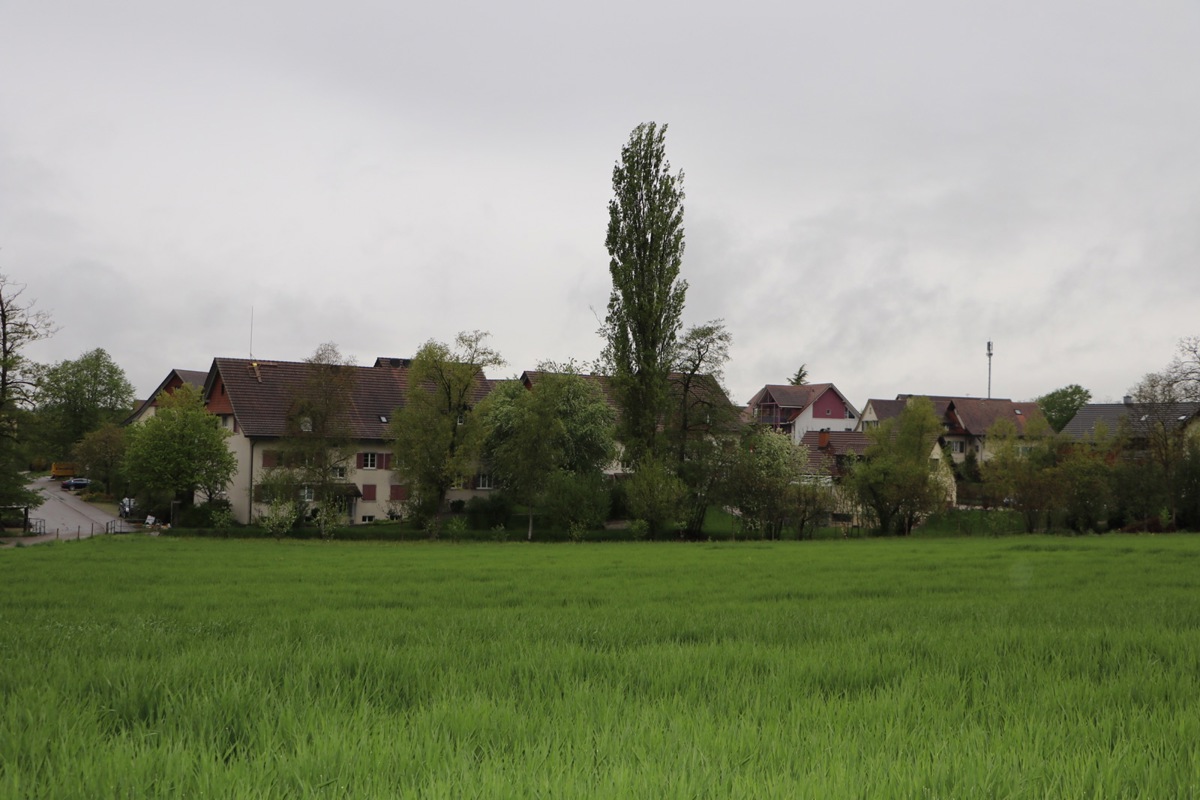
<point x="989" y="369"/>
<point x="252" y="336"/>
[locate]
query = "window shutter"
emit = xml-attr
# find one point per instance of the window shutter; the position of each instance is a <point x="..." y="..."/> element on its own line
<point x="368" y="491"/>
<point x="398" y="493"/>
<point x="359" y="460"/>
<point x="387" y="461"/>
<point x="270" y="459"/>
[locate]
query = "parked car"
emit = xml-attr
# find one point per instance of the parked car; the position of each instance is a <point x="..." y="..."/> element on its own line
<point x="76" y="483"/>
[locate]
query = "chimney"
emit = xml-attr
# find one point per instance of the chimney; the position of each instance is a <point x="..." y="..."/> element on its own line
<point x="1127" y="400"/>
<point x="823" y="440"/>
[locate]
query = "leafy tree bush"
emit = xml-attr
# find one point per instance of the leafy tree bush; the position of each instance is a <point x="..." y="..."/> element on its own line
<point x="896" y="481"/>
<point x="645" y="246"/>
<point x="485" y="513"/>
<point x="578" y="499"/>
<point x="655" y="495"/>
<point x="1086" y="491"/>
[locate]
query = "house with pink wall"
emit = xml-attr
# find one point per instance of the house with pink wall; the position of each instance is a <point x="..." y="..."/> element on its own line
<point x="796" y="410"/>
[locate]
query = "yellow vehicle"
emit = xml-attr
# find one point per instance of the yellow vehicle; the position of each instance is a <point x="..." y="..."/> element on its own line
<point x="62" y="469"/>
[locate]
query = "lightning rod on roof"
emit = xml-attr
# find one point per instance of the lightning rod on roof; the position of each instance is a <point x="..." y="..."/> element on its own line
<point x="251" y="333"/>
<point x="989" y="369"/>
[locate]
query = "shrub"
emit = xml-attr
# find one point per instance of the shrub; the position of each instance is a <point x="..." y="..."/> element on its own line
<point x="456" y="527"/>
<point x="575" y="499"/>
<point x="206" y="515"/>
<point x="485" y="513"/>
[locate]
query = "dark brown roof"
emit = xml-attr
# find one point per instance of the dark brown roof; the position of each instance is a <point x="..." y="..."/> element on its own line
<point x="797" y="397"/>
<point x="189" y="377"/>
<point x="978" y="415"/>
<point x="965" y="415"/>
<point x="262" y="393"/>
<point x="1112" y="415"/>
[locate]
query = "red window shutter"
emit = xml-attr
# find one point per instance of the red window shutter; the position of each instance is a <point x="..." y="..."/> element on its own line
<point x="368" y="491"/>
<point x="398" y="493"/>
<point x="359" y="462"/>
<point x="387" y="461"/>
<point x="270" y="459"/>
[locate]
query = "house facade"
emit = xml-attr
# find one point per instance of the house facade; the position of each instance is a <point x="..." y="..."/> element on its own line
<point x="797" y="410"/>
<point x="256" y="401"/>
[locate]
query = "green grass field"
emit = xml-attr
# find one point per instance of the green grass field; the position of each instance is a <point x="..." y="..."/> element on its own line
<point x="954" y="668"/>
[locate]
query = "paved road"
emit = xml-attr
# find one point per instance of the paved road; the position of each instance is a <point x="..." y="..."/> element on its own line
<point x="65" y="516"/>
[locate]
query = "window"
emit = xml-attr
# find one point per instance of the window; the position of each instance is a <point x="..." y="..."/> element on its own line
<point x="367" y="460"/>
<point x="829" y="412"/>
<point x="484" y="481"/>
<point x="383" y="418"/>
<point x="368" y="491"/>
<point x="955" y="447"/>
<point x="458" y="483"/>
<point x="306" y="494"/>
<point x="338" y="473"/>
<point x="368" y="518"/>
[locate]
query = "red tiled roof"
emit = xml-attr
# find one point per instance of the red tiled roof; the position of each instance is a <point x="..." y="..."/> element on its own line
<point x="966" y="415"/>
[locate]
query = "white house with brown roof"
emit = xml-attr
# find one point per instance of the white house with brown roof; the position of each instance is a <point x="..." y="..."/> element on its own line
<point x="255" y="398"/>
<point x="796" y="410"/>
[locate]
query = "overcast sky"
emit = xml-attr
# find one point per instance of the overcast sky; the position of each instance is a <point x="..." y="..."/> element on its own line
<point x="874" y="189"/>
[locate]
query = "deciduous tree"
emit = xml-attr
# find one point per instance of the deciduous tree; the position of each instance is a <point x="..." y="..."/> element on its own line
<point x="701" y="417"/>
<point x="21" y="324"/>
<point x="319" y="444"/>
<point x="1022" y="472"/>
<point x="764" y="481"/>
<point x="655" y="495"/>
<point x="180" y="450"/>
<point x="645" y="246"/>
<point x="896" y="481"/>
<point x="561" y="425"/>
<point x="100" y="455"/>
<point x="1061" y="405"/>
<point x="437" y="433"/>
<point x="81" y="395"/>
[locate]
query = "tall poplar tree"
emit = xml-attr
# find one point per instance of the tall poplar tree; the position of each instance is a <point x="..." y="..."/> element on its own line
<point x="645" y="248"/>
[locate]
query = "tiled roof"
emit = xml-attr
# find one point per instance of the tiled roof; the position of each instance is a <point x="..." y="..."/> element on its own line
<point x="978" y="415"/>
<point x="966" y="415"/>
<point x="788" y="396"/>
<point x="262" y="393"/>
<point x="823" y="460"/>
<point x="190" y="377"/>
<point x="1110" y="416"/>
<point x="886" y="409"/>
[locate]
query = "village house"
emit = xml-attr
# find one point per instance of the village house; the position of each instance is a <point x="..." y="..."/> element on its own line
<point x="256" y="399"/>
<point x="965" y="420"/>
<point x="796" y="410"/>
